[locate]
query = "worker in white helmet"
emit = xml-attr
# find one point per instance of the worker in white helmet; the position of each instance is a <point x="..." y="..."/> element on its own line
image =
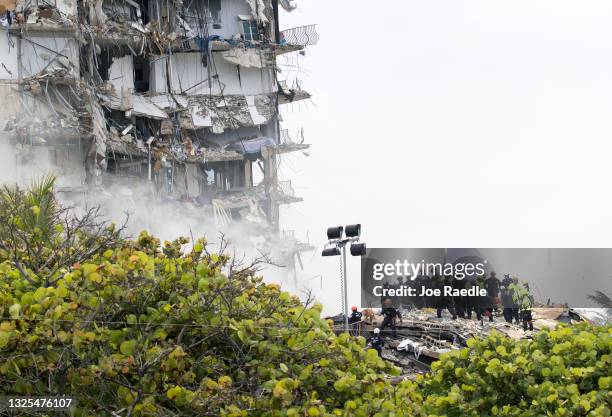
<point x="376" y="341"/>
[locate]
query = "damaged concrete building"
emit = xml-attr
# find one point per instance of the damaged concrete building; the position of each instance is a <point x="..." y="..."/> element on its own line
<point x="180" y="95"/>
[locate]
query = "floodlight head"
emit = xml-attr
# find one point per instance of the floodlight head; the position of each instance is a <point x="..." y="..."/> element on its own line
<point x="335" y="232"/>
<point x="332" y="251"/>
<point x="358" y="249"/>
<point x="353" y="230"/>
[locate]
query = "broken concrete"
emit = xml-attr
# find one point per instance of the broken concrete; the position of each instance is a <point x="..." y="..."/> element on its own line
<point x="258" y="9"/>
<point x="246" y="57"/>
<point x="422" y="337"/>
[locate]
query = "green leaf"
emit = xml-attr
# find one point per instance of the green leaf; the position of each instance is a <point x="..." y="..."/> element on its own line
<point x="40" y="293"/>
<point x="5" y="338"/>
<point x="203" y="284"/>
<point x="127" y="347"/>
<point x="62" y="291"/>
<point x="15" y="311"/>
<point x="584" y="403"/>
<point x="172" y="393"/>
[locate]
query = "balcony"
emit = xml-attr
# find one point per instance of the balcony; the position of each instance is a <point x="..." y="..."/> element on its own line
<point x="285" y="193"/>
<point x="300" y="36"/>
<point x="287" y="144"/>
<point x="292" y="244"/>
<point x="288" y="94"/>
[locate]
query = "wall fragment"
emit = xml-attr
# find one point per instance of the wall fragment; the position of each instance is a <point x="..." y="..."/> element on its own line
<point x="245" y="57"/>
<point x="121" y="73"/>
<point x="258" y="8"/>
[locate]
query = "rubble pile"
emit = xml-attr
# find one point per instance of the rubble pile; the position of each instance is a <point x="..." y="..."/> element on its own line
<point x="422" y="337"/>
<point x="36" y="130"/>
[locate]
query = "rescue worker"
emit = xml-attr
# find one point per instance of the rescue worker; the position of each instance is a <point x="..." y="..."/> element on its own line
<point x="355" y="316"/>
<point x="492" y="285"/>
<point x="478" y="302"/>
<point x="354" y="320"/>
<point x="507" y="281"/>
<point x="443" y="302"/>
<point x="421" y="282"/>
<point x="516" y="310"/>
<point x="523" y="298"/>
<point x="385" y="288"/>
<point x="460" y="301"/>
<point x="401" y="300"/>
<point x="507" y="303"/>
<point x="511" y="309"/>
<point x="376" y="341"/>
<point x="390" y="313"/>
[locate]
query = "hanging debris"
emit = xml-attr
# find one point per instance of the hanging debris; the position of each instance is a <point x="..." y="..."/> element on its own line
<point x="288" y="5"/>
<point x="258" y="9"/>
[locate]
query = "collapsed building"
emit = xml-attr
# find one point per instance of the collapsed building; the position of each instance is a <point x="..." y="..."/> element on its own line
<point x="421" y="338"/>
<point x="182" y="96"/>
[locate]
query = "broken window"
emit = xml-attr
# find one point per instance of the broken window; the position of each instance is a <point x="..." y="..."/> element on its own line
<point x="209" y="176"/>
<point x="225" y="176"/>
<point x="104" y="62"/>
<point x="141" y="74"/>
<point x="250" y="30"/>
<point x="214" y="10"/>
<point x="144" y="7"/>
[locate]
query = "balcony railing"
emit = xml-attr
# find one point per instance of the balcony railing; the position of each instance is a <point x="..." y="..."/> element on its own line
<point x="301" y="35"/>
<point x="286" y="188"/>
<point x="286" y="139"/>
<point x="288" y="234"/>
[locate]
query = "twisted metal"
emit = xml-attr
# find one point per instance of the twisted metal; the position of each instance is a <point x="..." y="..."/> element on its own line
<point x="301" y="35"/>
<point x="285" y="137"/>
<point x="286" y="188"/>
<point x="288" y="235"/>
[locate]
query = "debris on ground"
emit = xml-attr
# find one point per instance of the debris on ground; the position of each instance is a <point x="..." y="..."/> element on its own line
<point x="422" y="337"/>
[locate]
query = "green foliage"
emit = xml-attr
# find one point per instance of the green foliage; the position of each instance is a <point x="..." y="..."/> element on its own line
<point x="42" y="239"/>
<point x="563" y="372"/>
<point x="140" y="328"/>
<point x="149" y="328"/>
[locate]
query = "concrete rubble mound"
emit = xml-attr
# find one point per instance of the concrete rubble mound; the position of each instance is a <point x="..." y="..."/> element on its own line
<point x="422" y="337"/>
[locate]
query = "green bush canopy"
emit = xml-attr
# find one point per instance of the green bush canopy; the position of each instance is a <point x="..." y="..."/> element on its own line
<point x="133" y="327"/>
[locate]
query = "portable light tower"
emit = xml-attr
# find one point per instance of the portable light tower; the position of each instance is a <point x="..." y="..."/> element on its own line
<point x="336" y="246"/>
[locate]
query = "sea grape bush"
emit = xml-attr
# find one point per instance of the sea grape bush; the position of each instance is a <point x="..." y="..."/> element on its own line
<point x="144" y="328"/>
<point x="563" y="372"/>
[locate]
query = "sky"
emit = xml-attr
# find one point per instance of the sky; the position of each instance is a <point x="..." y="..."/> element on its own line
<point x="451" y="124"/>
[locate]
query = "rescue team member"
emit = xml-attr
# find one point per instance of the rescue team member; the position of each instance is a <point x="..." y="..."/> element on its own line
<point x="354" y="320"/>
<point x="507" y="281"/>
<point x="523" y="298"/>
<point x="492" y="285"/>
<point x="443" y="302"/>
<point x="355" y="316"/>
<point x="390" y="313"/>
<point x="376" y="341"/>
<point x="511" y="310"/>
<point x="473" y="304"/>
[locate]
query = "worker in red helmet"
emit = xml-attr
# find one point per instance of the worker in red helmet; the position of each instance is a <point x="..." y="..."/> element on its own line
<point x="355" y="316"/>
<point x="355" y="320"/>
